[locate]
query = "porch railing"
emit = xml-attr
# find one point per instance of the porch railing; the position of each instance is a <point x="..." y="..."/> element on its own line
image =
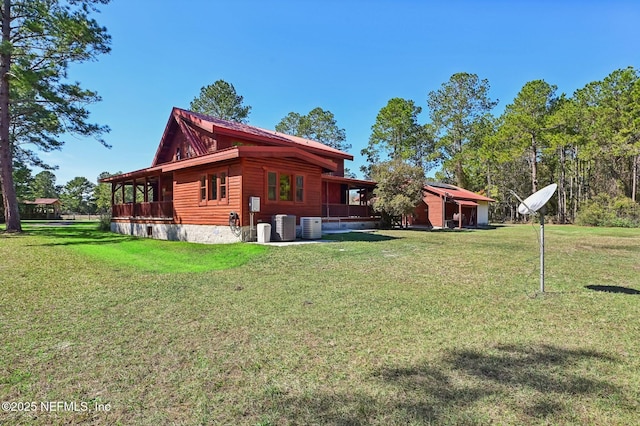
<point x="346" y="210"/>
<point x="156" y="209"/>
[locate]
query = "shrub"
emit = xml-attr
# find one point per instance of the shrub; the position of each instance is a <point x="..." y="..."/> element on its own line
<point x="603" y="210"/>
<point x="105" y="222"/>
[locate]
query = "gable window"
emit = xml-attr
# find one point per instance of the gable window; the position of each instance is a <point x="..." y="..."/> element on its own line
<point x="178" y="155"/>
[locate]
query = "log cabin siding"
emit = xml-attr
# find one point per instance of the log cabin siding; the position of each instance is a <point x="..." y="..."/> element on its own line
<point x="186" y="195"/>
<point x="254" y="172"/>
<point x="246" y="178"/>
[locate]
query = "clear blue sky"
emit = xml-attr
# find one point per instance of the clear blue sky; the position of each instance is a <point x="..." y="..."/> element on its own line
<point x="349" y="57"/>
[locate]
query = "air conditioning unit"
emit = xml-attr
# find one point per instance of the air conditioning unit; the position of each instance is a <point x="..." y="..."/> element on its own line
<point x="311" y="228"/>
<point x="284" y="227"/>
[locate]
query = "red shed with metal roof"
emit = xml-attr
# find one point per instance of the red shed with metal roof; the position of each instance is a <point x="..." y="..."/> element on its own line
<point x="444" y="205"/>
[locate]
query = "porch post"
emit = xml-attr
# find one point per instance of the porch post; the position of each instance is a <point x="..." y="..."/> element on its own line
<point x="159" y="195"/>
<point x="327" y="197"/>
<point x="459" y="215"/>
<point x="135" y="190"/>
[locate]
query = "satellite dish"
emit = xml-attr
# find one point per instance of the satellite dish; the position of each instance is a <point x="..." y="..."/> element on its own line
<point x="531" y="205"/>
<point x="537" y="200"/>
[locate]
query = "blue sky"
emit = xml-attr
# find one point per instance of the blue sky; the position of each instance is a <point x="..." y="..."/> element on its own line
<point x="349" y="57"/>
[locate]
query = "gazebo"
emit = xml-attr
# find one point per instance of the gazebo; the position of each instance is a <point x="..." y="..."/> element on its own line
<point x="42" y="208"/>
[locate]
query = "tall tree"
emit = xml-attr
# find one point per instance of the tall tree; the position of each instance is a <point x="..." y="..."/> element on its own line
<point x="457" y="111"/>
<point x="40" y="39"/>
<point x="396" y="134"/>
<point x="525" y="126"/>
<point x="23" y="181"/>
<point x="621" y="113"/>
<point x="319" y="125"/>
<point x="632" y="133"/>
<point x="220" y="100"/>
<point x="77" y="195"/>
<point x="44" y="185"/>
<point x="609" y="133"/>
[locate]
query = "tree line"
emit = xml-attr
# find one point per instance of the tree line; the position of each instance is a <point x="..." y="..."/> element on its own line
<point x="588" y="143"/>
<point x="77" y="196"/>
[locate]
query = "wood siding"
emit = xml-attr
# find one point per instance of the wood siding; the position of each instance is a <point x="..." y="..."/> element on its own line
<point x="247" y="178"/>
<point x="186" y="195"/>
<point x="421" y="215"/>
<point x="255" y="185"/>
<point x="434" y="203"/>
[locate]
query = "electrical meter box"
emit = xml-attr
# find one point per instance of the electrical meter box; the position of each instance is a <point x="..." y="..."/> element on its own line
<point x="254" y="204"/>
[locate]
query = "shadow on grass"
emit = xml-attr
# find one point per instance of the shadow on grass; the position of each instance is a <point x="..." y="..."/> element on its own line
<point x="613" y="289"/>
<point x="534" y="383"/>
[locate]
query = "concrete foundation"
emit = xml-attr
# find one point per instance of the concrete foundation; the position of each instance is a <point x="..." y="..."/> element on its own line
<point x="217" y="234"/>
<point x="205" y="234"/>
<point x="342" y="225"/>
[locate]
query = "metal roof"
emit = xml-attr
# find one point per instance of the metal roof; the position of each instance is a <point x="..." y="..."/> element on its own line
<point x="454" y="192"/>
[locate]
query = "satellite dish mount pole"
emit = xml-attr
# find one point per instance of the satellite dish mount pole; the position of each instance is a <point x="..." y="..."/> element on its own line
<point x="536" y="203"/>
<point x="542" y="249"/>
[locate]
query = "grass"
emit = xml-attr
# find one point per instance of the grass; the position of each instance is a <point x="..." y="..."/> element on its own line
<point x="393" y="327"/>
<point x="145" y="254"/>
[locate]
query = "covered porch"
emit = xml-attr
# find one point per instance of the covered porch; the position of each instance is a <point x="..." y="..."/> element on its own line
<point x="142" y="195"/>
<point x="461" y="214"/>
<point x="346" y="200"/>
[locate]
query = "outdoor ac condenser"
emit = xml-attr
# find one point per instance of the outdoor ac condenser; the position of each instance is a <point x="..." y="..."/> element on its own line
<point x="311" y="228"/>
<point x="283" y="227"/>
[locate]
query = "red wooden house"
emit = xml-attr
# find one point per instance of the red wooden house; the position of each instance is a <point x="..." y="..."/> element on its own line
<point x="445" y="205"/>
<point x="206" y="170"/>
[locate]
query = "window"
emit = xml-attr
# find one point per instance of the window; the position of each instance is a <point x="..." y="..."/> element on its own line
<point x="217" y="186"/>
<point x="213" y="187"/>
<point x="272" y="179"/>
<point x="178" y="156"/>
<point x="203" y="188"/>
<point x="285" y="188"/>
<point x="223" y="185"/>
<point x="299" y="189"/>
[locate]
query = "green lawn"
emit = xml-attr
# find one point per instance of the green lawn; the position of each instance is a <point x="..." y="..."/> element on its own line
<point x="393" y="327"/>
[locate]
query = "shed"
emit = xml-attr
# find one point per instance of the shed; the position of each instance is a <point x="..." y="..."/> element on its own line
<point x="444" y="205"/>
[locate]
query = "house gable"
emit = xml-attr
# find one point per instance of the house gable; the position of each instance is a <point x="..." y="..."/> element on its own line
<point x="189" y="134"/>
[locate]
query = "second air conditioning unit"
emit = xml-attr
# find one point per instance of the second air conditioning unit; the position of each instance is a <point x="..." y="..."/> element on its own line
<point x="311" y="228"/>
